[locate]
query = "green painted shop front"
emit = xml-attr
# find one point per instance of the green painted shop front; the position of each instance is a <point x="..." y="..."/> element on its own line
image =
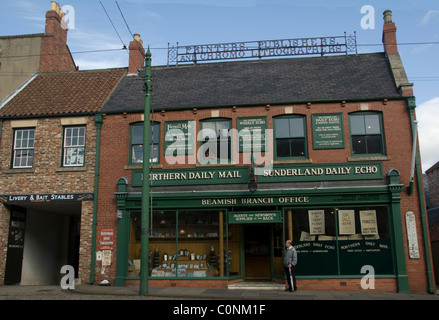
<point x="337" y="231"/>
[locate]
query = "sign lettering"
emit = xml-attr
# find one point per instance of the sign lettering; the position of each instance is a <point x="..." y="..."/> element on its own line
<point x="262" y="49"/>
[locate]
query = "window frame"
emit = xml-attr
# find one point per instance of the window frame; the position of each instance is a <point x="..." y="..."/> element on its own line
<point x="381" y="134"/>
<point x="229" y="140"/>
<point x="77" y="146"/>
<point x="152" y="143"/>
<point x="305" y="137"/>
<point x="14" y="149"/>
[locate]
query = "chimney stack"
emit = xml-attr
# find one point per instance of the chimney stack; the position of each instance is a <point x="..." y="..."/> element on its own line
<point x="55" y="55"/>
<point x="137" y="54"/>
<point x="389" y="33"/>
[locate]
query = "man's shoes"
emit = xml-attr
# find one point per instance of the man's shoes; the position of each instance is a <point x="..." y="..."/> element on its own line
<point x="288" y="290"/>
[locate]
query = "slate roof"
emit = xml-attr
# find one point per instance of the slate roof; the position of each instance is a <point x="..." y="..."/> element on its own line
<point x="56" y="93"/>
<point x="271" y="81"/>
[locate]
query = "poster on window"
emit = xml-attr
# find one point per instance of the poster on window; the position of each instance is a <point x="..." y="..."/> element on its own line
<point x="346" y="221"/>
<point x="316" y="221"/>
<point x="368" y="220"/>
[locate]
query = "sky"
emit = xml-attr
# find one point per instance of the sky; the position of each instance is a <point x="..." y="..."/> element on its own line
<point x="190" y="22"/>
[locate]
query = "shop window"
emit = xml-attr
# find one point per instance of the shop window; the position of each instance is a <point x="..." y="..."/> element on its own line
<point x="182" y="244"/>
<point x="314" y="237"/>
<point x="136" y="143"/>
<point x="215" y="137"/>
<point x="290" y="137"/>
<point x="341" y="241"/>
<point x="74" y="146"/>
<point x="24" y="143"/>
<point x="366" y="134"/>
<point x="364" y="239"/>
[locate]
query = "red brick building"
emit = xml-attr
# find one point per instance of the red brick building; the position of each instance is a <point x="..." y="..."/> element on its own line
<point x="329" y="138"/>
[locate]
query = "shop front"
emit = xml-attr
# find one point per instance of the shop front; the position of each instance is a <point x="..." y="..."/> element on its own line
<point x="223" y="231"/>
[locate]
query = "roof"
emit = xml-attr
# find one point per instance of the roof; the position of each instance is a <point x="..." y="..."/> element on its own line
<point x="271" y="81"/>
<point x="71" y="92"/>
<point x="433" y="167"/>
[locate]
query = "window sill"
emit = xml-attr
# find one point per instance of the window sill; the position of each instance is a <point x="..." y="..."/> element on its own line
<point x="140" y="167"/>
<point x="368" y="158"/>
<point x="27" y="170"/>
<point x="292" y="161"/>
<point x="206" y="165"/>
<point x="71" y="169"/>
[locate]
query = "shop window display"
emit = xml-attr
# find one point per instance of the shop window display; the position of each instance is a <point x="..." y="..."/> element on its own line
<point x="340" y="241"/>
<point x="182" y="244"/>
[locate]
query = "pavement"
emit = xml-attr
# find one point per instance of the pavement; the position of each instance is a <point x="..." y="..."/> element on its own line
<point x="245" y="291"/>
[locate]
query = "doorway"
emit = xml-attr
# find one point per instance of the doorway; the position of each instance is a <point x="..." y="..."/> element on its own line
<point x="43" y="238"/>
<point x="257" y="252"/>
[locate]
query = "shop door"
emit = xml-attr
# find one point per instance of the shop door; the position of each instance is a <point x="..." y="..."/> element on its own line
<point x="257" y="252"/>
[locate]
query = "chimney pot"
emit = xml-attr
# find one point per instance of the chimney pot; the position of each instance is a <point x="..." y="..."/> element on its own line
<point x="387" y="16"/>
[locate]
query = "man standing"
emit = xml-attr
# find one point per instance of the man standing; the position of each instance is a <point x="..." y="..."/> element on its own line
<point x="290" y="261"/>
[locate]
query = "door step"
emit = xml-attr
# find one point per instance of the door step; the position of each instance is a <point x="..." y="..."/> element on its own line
<point x="249" y="285"/>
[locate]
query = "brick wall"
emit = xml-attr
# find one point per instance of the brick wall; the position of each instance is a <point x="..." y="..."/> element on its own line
<point x="397" y="131"/>
<point x="55" y="55"/>
<point x="47" y="176"/>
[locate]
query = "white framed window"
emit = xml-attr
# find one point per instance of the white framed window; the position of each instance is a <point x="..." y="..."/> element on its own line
<point x="74" y="146"/>
<point x="24" y="142"/>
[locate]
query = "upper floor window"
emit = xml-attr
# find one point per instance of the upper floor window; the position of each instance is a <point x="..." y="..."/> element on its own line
<point x="367" y="136"/>
<point x="74" y="146"/>
<point x="136" y="143"/>
<point x="215" y="140"/>
<point x="290" y="137"/>
<point x="23" y="153"/>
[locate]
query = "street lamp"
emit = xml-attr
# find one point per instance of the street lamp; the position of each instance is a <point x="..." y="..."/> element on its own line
<point x="144" y="220"/>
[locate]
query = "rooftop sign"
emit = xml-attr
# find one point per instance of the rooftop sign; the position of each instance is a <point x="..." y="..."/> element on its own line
<point x="262" y="49"/>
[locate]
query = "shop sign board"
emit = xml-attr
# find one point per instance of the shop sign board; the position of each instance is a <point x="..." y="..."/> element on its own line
<point x="316" y="221"/>
<point x="346" y="222"/>
<point x="193" y="176"/>
<point x="106" y="240"/>
<point x="45" y="197"/>
<point x="327" y="131"/>
<point x="321" y="172"/>
<point x="179" y="137"/>
<point x="255" y="217"/>
<point x="412" y="236"/>
<point x="252" y="133"/>
<point x="368" y="222"/>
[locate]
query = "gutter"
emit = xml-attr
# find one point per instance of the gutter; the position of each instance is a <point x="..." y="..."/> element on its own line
<point x="98" y="121"/>
<point x="425" y="232"/>
<point x="256" y="104"/>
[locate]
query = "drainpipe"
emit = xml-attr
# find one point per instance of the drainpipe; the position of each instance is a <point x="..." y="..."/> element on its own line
<point x="431" y="286"/>
<point x="98" y="121"/>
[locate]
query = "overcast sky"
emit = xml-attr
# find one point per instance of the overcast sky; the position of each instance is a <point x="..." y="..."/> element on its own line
<point x="189" y="22"/>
